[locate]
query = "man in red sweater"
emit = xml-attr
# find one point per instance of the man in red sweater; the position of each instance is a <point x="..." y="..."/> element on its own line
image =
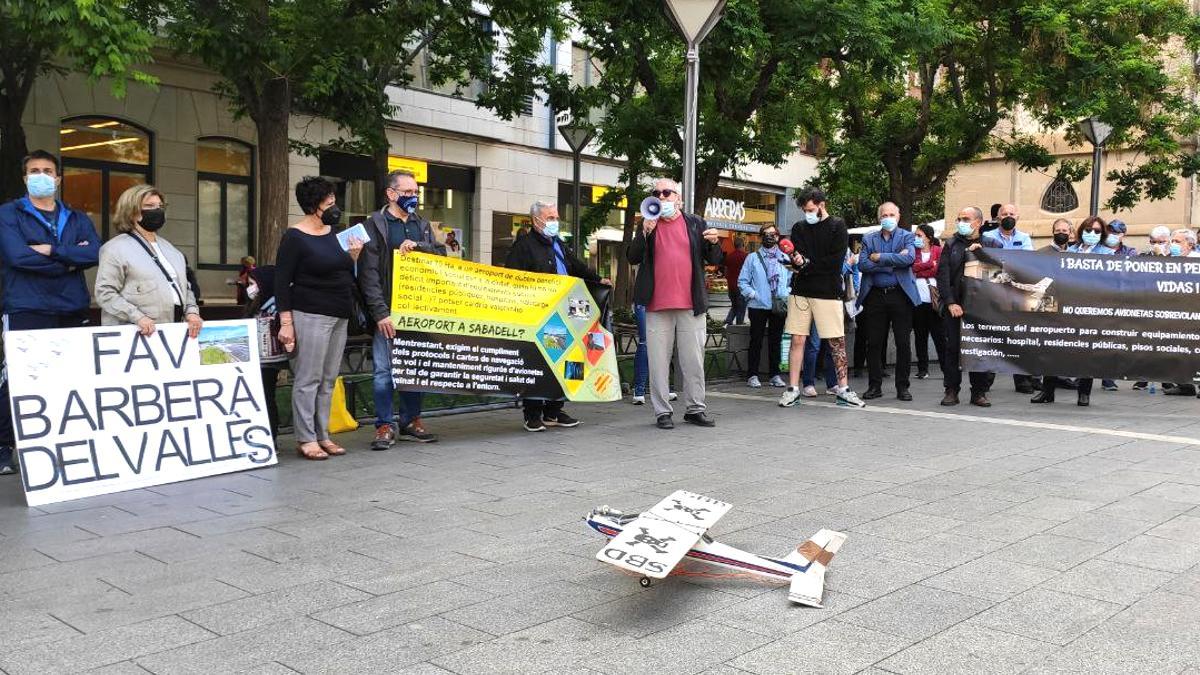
<point x="733" y="268"/>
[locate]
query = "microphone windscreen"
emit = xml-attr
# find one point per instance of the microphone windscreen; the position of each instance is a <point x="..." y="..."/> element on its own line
<point x="786" y="246"/>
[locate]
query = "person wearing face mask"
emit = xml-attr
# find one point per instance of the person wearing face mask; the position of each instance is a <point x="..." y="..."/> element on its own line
<point x="1183" y="244"/>
<point x="1160" y="242"/>
<point x="45" y="246"/>
<point x="1116" y="239"/>
<point x="820" y="242"/>
<point x="926" y="323"/>
<point x="763" y="282"/>
<point x="950" y="274"/>
<point x="395" y="228"/>
<point x="314" y="292"/>
<point x="1060" y="232"/>
<point x="142" y="278"/>
<point x="671" y="252"/>
<point x="1007" y="236"/>
<point x="887" y="295"/>
<point x="541" y="250"/>
<point x="1089" y="237"/>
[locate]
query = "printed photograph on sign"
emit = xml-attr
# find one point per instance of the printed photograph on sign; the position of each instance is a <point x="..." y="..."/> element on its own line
<point x="224" y="344"/>
<point x="579" y="308"/>
<point x="573" y="370"/>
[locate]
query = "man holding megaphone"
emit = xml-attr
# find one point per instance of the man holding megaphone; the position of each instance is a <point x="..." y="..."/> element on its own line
<point x="670" y="250"/>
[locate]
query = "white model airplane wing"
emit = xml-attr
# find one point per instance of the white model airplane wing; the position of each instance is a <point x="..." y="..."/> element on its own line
<point x="649" y="546"/>
<point x="689" y="510"/>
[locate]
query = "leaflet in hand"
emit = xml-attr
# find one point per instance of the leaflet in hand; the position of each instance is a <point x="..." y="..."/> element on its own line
<point x="358" y="232"/>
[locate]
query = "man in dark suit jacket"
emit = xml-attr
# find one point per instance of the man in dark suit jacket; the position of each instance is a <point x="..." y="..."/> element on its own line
<point x="541" y="250"/>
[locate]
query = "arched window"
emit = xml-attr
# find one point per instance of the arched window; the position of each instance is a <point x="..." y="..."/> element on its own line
<point x="224" y="201"/>
<point x="1060" y="197"/>
<point x="101" y="158"/>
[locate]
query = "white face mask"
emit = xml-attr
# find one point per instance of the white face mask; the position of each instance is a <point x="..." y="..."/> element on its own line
<point x="812" y="217"/>
<point x="252" y="291"/>
<point x="667" y="210"/>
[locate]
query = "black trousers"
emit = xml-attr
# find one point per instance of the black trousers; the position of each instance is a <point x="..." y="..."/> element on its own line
<point x="765" y="324"/>
<point x="927" y="324"/>
<point x="1084" y="385"/>
<point x="981" y="383"/>
<point x="860" y="343"/>
<point x="539" y="408"/>
<point x="29" y="321"/>
<point x="884" y="309"/>
<point x="270" y="380"/>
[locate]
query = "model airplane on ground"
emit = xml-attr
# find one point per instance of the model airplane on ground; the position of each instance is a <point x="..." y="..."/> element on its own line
<point x="652" y="544"/>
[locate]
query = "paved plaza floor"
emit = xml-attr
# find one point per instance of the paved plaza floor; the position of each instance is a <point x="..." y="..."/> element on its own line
<point x="1015" y="539"/>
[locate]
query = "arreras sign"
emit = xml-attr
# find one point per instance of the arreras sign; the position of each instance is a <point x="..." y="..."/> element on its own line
<point x="106" y="409"/>
<point x="725" y="209"/>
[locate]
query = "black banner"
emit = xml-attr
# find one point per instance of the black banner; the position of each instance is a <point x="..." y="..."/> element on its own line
<point x="1082" y="315"/>
<point x="463" y="364"/>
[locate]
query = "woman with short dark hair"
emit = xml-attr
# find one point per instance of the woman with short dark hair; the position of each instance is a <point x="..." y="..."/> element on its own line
<point x="314" y="278"/>
<point x="926" y="323"/>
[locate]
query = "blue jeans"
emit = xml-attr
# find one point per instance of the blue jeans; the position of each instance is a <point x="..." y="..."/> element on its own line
<point x="641" y="361"/>
<point x="812" y="348"/>
<point x="410" y="401"/>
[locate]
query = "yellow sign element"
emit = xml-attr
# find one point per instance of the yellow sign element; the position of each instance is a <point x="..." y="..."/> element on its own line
<point x="437" y="286"/>
<point x="340" y="418"/>
<point x="419" y="169"/>
<point x="598" y="192"/>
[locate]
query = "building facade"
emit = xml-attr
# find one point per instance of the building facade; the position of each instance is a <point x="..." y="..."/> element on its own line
<point x="478" y="174"/>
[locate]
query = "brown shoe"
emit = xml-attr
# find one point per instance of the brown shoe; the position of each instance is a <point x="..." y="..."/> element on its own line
<point x="981" y="400"/>
<point x="951" y="398"/>
<point x="415" y="431"/>
<point x="385" y="437"/>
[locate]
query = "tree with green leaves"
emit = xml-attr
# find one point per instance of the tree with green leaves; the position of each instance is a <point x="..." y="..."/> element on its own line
<point x="953" y="78"/>
<point x="264" y="51"/>
<point x="37" y="37"/>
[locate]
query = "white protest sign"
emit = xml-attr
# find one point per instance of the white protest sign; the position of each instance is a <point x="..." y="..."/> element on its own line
<point x="105" y="409"/>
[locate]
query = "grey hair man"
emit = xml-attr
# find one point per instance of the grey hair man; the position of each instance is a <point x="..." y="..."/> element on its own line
<point x="670" y="252"/>
<point x="950" y="275"/>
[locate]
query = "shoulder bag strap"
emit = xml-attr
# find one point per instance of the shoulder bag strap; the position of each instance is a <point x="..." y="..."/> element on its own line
<point x="161" y="267"/>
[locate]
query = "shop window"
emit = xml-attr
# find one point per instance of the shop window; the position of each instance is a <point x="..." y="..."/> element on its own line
<point x="101" y="158"/>
<point x="421" y="71"/>
<point x="224" y="201"/>
<point x="354" y="186"/>
<point x="1060" y="197"/>
<point x="506" y="228"/>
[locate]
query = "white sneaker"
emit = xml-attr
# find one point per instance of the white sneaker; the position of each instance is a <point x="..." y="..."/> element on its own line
<point x="810" y="392"/>
<point x="672" y="396"/>
<point x="753" y="382"/>
<point x="831" y="392"/>
<point x="789" y="397"/>
<point x="777" y="381"/>
<point x="848" y="398"/>
<point x="639" y="400"/>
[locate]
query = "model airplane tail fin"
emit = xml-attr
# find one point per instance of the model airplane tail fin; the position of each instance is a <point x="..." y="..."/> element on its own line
<point x="808" y="586"/>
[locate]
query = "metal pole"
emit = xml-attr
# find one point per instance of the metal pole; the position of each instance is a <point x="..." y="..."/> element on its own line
<point x="1096" y="158"/>
<point x="577" y="234"/>
<point x="692" y="84"/>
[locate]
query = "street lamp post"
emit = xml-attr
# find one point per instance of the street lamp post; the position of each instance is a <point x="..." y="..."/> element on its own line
<point x="1097" y="133"/>
<point x="578" y="133"/>
<point x="694" y="19"/>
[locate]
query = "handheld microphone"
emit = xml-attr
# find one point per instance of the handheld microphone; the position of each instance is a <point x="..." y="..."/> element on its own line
<point x="786" y="246"/>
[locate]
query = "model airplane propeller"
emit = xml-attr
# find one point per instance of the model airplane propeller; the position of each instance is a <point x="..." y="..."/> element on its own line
<point x="653" y="543"/>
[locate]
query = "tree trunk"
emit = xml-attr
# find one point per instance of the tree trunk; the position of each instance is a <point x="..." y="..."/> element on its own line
<point x="14" y="95"/>
<point x="904" y="200"/>
<point x="380" y="158"/>
<point x="271" y="120"/>
<point x="623" y="284"/>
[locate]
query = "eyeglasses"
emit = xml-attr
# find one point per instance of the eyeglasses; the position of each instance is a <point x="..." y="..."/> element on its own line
<point x="662" y="194"/>
<point x="405" y="193"/>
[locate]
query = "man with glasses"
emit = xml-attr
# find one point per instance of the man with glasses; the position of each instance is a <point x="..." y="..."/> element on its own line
<point x="671" y="252"/>
<point x="395" y="227"/>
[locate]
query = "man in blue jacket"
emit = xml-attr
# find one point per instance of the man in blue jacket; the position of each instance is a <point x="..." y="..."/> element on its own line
<point x="44" y="248"/>
<point x="887" y="295"/>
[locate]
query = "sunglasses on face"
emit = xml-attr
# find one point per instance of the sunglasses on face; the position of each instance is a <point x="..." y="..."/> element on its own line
<point x="662" y="194"/>
<point x="1096" y="230"/>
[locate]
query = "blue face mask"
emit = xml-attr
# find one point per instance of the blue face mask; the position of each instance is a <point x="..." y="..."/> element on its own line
<point x="964" y="228"/>
<point x="1090" y="238"/>
<point x="812" y="217"/>
<point x="919" y="243"/>
<point x="889" y="224"/>
<point x="408" y="204"/>
<point x="40" y="185"/>
<point x="550" y="229"/>
<point x="1112" y="241"/>
<point x="667" y="210"/>
<point x="1175" y="250"/>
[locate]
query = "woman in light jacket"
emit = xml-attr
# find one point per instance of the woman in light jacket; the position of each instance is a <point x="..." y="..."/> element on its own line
<point x="142" y="278"/>
<point x="764" y="277"/>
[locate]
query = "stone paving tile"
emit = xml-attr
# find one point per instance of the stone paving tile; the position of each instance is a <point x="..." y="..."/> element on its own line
<point x="102" y="648"/>
<point x="1099" y="527"/>
<point x="272" y="607"/>
<point x="1109" y="581"/>
<point x="686" y="648"/>
<point x="915" y="612"/>
<point x="828" y="647"/>
<point x="562" y="646"/>
<point x="403" y="607"/>
<point x="511" y="613"/>
<point x="1004" y="527"/>
<point x="968" y="649"/>
<point x="1047" y="616"/>
<point x="391" y="651"/>
<point x="661" y="606"/>
<point x="786" y="617"/>
<point x="908" y="526"/>
<point x="1156" y="553"/>
<point x="1052" y="551"/>
<point x="990" y="578"/>
<point x="246" y="649"/>
<point x="118" y="608"/>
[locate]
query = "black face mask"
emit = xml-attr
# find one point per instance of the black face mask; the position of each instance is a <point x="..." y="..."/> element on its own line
<point x="1008" y="224"/>
<point x="153" y="219"/>
<point x="770" y="242"/>
<point x="332" y="216"/>
<point x="1061" y="239"/>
